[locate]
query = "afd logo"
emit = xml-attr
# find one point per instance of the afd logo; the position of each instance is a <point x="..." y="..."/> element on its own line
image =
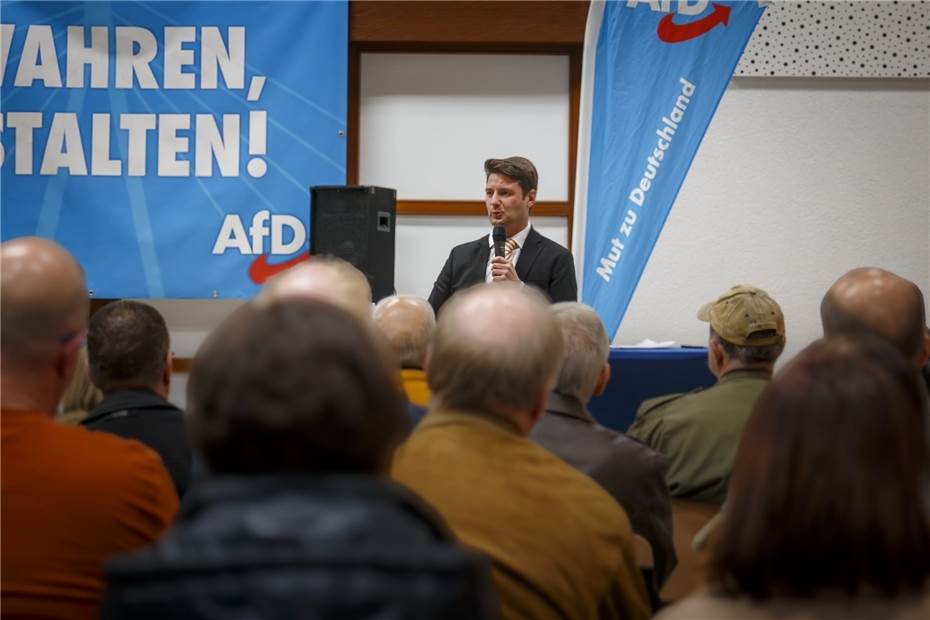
<point x="285" y="233"/>
<point x="670" y="31"/>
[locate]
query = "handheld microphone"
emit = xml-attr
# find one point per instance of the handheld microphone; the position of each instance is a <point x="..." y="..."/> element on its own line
<point x="499" y="235"/>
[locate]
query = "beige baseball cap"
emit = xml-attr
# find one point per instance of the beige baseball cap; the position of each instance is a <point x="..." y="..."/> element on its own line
<point x="745" y="316"/>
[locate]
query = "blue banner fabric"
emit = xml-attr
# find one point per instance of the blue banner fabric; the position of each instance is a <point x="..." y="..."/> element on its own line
<point x="170" y="146"/>
<point x="654" y="73"/>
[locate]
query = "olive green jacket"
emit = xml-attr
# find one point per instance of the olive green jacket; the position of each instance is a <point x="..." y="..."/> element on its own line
<point x="698" y="432"/>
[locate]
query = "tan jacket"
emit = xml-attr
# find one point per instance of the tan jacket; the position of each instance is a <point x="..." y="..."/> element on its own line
<point x="699" y="432"/>
<point x="711" y="607"/>
<point x="561" y="546"/>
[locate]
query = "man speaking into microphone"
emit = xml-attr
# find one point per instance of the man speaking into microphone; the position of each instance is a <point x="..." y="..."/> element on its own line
<point x="512" y="251"/>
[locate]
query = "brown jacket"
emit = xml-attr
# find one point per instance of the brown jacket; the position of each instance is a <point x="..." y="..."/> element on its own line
<point x="561" y="546"/>
<point x="632" y="472"/>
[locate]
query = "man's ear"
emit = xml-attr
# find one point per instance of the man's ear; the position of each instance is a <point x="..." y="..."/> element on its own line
<point x="166" y="372"/>
<point x="427" y="360"/>
<point x="715" y="355"/>
<point x="602" y="380"/>
<point x="66" y="358"/>
<point x="531" y="198"/>
<point x="541" y="399"/>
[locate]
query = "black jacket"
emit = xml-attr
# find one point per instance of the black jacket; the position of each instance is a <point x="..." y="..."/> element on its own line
<point x="149" y="418"/>
<point x="542" y="263"/>
<point x="339" y="547"/>
<point x="632" y="472"/>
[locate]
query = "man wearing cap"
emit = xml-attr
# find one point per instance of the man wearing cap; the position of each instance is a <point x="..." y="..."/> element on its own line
<point x="698" y="432"/>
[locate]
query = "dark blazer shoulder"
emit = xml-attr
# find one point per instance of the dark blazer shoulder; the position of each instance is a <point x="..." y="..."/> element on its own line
<point x="548" y="266"/>
<point x="464" y="267"/>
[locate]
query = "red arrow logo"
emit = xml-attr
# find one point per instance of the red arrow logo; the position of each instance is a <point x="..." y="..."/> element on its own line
<point x="260" y="270"/>
<point x="670" y="32"/>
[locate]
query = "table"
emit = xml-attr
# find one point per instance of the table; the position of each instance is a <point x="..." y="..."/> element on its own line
<point x="640" y="374"/>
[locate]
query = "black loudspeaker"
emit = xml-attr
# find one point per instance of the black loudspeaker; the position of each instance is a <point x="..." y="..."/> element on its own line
<point x="356" y="223"/>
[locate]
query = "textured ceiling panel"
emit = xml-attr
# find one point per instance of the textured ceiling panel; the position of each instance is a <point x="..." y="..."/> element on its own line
<point x="840" y="39"/>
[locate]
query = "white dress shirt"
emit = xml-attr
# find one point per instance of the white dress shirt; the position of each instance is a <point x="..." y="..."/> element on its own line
<point x="520" y="238"/>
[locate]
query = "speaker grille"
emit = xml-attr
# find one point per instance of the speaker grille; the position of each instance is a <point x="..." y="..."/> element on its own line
<point x="356" y="224"/>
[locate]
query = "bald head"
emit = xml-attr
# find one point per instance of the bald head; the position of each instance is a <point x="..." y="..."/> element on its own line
<point x="875" y="301"/>
<point x="43" y="300"/>
<point x="496" y="349"/>
<point x="324" y="278"/>
<point x="408" y="323"/>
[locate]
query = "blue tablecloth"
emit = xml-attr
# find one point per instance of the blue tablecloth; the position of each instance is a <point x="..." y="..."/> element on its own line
<point x="639" y="374"/>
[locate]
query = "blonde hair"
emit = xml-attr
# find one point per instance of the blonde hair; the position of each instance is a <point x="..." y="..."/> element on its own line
<point x="81" y="396"/>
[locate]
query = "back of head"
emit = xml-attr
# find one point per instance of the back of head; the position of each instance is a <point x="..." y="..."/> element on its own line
<point x="586" y="349"/>
<point x="496" y="350"/>
<point x="870" y="300"/>
<point x="747" y="323"/>
<point x="326" y="278"/>
<point x="127" y="346"/>
<point x="520" y="169"/>
<point x="408" y="323"/>
<point x="43" y="301"/>
<point x="296" y="386"/>
<point x="829" y="485"/>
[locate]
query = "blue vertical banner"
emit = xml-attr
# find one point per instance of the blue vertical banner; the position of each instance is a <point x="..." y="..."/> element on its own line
<point x="653" y="75"/>
<point x="170" y="146"/>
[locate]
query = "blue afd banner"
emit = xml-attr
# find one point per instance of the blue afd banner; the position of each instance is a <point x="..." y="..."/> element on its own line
<point x="170" y="145"/>
<point x="654" y="73"/>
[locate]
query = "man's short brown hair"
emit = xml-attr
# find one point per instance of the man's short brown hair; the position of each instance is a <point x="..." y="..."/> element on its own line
<point x="520" y="169"/>
<point x="296" y="386"/>
<point x="127" y="345"/>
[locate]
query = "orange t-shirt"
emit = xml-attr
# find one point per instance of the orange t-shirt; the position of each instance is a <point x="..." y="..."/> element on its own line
<point x="71" y="498"/>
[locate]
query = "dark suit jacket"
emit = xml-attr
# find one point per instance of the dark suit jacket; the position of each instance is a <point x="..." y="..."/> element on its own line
<point x="630" y="471"/>
<point x="542" y="263"/>
<point x="149" y="418"/>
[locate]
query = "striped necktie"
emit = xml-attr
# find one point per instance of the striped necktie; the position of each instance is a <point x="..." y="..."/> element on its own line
<point x="510" y="246"/>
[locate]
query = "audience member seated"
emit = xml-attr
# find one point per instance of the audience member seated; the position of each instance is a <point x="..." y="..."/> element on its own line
<point x="827" y="515"/>
<point x="81" y="395"/>
<point x="294" y="408"/>
<point x="408" y="323"/>
<point x="699" y="432"/>
<point x="631" y="472"/>
<point x="325" y="278"/>
<point x="560" y="545"/>
<point x="869" y="300"/>
<point x="69" y="498"/>
<point x="130" y="361"/>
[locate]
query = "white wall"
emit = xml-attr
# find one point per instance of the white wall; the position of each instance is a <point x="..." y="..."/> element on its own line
<point x="797" y="181"/>
<point x="428" y="121"/>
